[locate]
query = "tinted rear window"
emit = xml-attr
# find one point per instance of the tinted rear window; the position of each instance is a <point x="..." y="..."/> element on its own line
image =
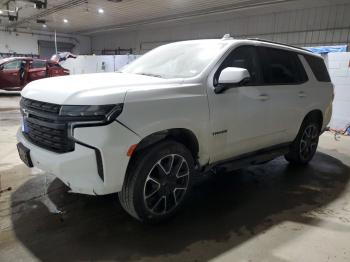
<point x="319" y="68"/>
<point x="281" y="67"/>
<point x="38" y="64"/>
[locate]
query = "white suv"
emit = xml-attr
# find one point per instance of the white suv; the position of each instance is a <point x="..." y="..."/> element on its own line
<point x="181" y="109"/>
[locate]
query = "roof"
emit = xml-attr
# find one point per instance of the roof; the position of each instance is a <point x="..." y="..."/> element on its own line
<point x="83" y="15"/>
<point x="256" y="41"/>
<point x="19" y="58"/>
<point x="14" y="58"/>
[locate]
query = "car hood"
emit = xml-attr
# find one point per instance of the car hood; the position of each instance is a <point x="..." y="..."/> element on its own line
<point x="91" y="89"/>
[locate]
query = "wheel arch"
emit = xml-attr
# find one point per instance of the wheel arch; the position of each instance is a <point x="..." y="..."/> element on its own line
<point x="181" y="135"/>
<point x="315" y="114"/>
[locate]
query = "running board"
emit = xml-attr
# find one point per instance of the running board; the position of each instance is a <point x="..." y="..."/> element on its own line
<point x="253" y="158"/>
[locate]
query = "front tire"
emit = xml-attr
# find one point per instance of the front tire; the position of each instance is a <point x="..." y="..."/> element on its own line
<point x="157" y="182"/>
<point x="305" y="145"/>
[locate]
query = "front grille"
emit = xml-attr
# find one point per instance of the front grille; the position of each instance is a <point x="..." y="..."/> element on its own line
<point x="44" y="128"/>
<point x="40" y="106"/>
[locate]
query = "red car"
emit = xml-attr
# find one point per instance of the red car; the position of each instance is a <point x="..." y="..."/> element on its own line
<point x="16" y="72"/>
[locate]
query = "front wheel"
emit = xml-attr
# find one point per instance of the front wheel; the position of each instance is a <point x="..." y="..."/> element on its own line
<point x="305" y="145"/>
<point x="157" y="182"/>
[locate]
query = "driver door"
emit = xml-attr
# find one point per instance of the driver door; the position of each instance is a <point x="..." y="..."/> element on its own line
<point x="239" y="116"/>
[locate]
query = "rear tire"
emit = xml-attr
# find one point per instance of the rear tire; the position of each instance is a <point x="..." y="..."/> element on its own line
<point x="305" y="144"/>
<point x="157" y="182"/>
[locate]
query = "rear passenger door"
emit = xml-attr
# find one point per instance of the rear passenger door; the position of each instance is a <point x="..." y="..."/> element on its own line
<point x="37" y="70"/>
<point x="284" y="83"/>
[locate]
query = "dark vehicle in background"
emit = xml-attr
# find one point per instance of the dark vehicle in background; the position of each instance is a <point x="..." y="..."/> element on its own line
<point x="16" y="72"/>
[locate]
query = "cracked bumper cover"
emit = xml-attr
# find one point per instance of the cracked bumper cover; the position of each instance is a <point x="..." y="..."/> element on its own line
<point x="79" y="169"/>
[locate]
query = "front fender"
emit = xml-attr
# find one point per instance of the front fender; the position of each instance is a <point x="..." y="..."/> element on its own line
<point x="178" y="106"/>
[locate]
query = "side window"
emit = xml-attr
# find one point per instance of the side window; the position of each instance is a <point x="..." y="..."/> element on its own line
<point x="38" y="64"/>
<point x="243" y="57"/>
<point x="280" y="67"/>
<point x="318" y="67"/>
<point x="13" y="65"/>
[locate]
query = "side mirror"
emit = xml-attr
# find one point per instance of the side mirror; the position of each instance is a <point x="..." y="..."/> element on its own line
<point x="232" y="77"/>
<point x="1" y="67"/>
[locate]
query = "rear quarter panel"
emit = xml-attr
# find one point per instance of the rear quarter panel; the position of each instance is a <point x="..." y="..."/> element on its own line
<point x="319" y="96"/>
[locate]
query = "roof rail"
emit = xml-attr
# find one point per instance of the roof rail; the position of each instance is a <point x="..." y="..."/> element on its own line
<point x="278" y="43"/>
<point x="227" y="37"/>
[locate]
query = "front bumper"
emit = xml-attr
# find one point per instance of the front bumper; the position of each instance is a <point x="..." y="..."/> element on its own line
<point x="79" y="169"/>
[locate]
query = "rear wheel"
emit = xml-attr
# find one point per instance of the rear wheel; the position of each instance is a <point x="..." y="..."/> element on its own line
<point x="157" y="182"/>
<point x="305" y="145"/>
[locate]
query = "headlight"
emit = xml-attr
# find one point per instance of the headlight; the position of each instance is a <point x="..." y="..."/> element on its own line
<point x="91" y="112"/>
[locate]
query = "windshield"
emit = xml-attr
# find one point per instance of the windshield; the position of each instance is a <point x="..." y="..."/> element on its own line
<point x="178" y="60"/>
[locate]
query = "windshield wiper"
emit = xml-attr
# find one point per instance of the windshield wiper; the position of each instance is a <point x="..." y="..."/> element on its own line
<point x="149" y="74"/>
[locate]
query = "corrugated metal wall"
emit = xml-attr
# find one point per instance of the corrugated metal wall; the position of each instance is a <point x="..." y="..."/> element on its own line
<point x="324" y="25"/>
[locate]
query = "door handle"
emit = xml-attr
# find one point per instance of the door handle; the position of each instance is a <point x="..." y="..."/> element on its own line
<point x="302" y="94"/>
<point x="263" y="97"/>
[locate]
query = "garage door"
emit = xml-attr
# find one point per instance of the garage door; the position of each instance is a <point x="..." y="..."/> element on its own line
<point x="47" y="48"/>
